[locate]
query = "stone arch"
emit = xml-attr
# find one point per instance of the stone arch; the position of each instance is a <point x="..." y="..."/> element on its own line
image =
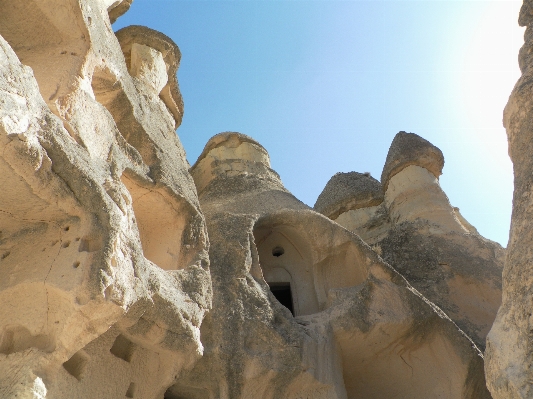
<point x="318" y="256"/>
<point x="285" y="258"/>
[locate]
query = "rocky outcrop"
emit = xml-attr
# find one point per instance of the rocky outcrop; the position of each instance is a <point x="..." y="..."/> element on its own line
<point x="420" y="234"/>
<point x="104" y="262"/>
<point x="410" y="181"/>
<point x="126" y="274"/>
<point x="348" y="191"/>
<point x="410" y="149"/>
<point x="302" y="307"/>
<point x="355" y="201"/>
<point x="509" y="351"/>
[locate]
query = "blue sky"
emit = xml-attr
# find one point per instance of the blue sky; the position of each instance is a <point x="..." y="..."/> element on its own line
<point x="325" y="85"/>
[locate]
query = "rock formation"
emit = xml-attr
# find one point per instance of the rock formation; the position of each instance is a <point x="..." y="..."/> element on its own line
<point x="359" y="329"/>
<point x="103" y="245"/>
<point x="409" y="221"/>
<point x="509" y="344"/>
<point x="126" y="274"/>
<point x="355" y="201"/>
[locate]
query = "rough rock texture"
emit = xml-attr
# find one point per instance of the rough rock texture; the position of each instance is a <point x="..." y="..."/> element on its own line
<point x="117" y="9"/>
<point x="410" y="149"/>
<point x="348" y="191"/>
<point x="417" y="231"/>
<point x="153" y="57"/>
<point x="355" y="201"/>
<point x="509" y="343"/>
<point x="125" y="274"/>
<point x="103" y="246"/>
<point x="358" y="331"/>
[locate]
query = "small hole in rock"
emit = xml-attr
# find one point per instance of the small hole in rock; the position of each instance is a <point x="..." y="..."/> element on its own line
<point x="67" y="228"/>
<point x="278" y="251"/>
<point x="76" y="265"/>
<point x="18" y="338"/>
<point x="89" y="245"/>
<point x="131" y="391"/>
<point x="123" y="348"/>
<point x="66" y="244"/>
<point x="75" y="366"/>
<point x="5" y="254"/>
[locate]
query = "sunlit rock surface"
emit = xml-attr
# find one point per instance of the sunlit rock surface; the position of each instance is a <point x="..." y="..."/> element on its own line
<point x="509" y="351"/>
<point x="416" y="230"/>
<point x="359" y="329"/>
<point x="123" y="273"/>
<point x="104" y="266"/>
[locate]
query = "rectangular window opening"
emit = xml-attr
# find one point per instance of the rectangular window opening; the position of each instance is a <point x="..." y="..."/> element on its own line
<point x="282" y="292"/>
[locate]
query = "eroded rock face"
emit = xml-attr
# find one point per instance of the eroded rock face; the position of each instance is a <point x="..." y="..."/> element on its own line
<point x="410" y="149"/>
<point x="359" y="329"/>
<point x="427" y="240"/>
<point x="348" y="191"/>
<point x="509" y="351"/>
<point x="109" y="287"/>
<point x="103" y="246"/>
<point x="355" y="201"/>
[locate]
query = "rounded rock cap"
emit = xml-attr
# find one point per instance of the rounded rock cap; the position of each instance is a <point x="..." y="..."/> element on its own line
<point x="410" y="149"/>
<point x="231" y="139"/>
<point x="348" y="191"/>
<point x="170" y="94"/>
<point x="231" y="155"/>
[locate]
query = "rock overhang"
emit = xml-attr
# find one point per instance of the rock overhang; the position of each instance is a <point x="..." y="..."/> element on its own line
<point x="170" y="93"/>
<point x="230" y="156"/>
<point x="348" y="191"/>
<point x="410" y="149"/>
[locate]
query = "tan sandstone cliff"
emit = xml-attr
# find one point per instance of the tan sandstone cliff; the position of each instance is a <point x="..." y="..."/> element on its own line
<point x="100" y="223"/>
<point x="509" y="351"/>
<point x="409" y="221"/>
<point x="123" y="273"/>
<point x="359" y="329"/>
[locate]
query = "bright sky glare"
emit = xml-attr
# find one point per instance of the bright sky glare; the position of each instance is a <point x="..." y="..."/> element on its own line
<point x="325" y="85"/>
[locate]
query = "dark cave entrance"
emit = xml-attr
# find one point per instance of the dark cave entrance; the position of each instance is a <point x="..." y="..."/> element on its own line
<point x="282" y="292"/>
